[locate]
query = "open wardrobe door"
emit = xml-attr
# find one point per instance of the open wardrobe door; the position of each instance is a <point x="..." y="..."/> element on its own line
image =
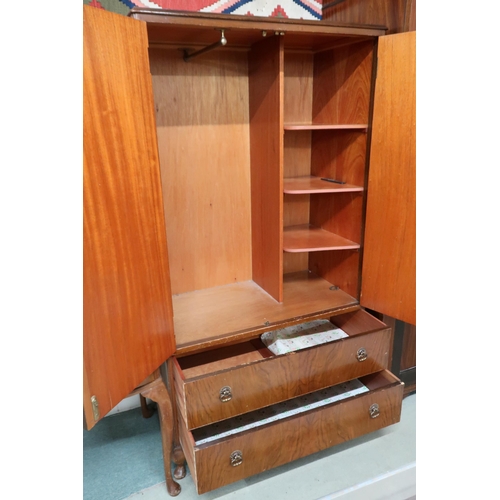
<point x="389" y="259"/>
<point x="127" y="302"/>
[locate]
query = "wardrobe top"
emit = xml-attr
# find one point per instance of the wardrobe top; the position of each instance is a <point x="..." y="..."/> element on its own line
<point x="171" y="26"/>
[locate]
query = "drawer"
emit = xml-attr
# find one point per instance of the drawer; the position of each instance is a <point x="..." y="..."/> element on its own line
<point x="223" y="383"/>
<point x="242" y="454"/>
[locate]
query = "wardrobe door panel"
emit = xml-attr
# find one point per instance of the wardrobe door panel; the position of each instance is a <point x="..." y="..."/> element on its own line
<point x="389" y="260"/>
<point x="127" y="310"/>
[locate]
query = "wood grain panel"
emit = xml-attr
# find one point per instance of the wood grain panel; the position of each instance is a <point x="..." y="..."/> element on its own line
<point x="409" y="354"/>
<point x="172" y="26"/>
<point x="202" y="120"/>
<point x="390" y="13"/>
<point x="295" y="262"/>
<point x="342" y="82"/>
<point x="339" y="213"/>
<point x="340" y="268"/>
<point x="309" y="185"/>
<point x="409" y="348"/>
<point x="268" y="381"/>
<point x="307" y="238"/>
<point x="128" y="328"/>
<point x="202" y="323"/>
<point x="179" y="389"/>
<point x="389" y="280"/>
<point x="297" y="153"/>
<point x="266" y="150"/>
<point x="299" y="436"/>
<point x="187" y="443"/>
<point x="228" y="357"/>
<point x="296" y="210"/>
<point x="297" y="162"/>
<point x="410" y="16"/>
<point x="357" y="322"/>
<point x="295" y="126"/>
<point x="298" y="88"/>
<point x="339" y="155"/>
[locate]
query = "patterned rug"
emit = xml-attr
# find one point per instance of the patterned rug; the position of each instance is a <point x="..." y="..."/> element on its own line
<point x="293" y="9"/>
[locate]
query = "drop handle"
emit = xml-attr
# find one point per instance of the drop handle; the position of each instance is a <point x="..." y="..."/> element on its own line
<point x="236" y="458"/>
<point x="225" y="394"/>
<point x="361" y="355"/>
<point x="374" y="410"/>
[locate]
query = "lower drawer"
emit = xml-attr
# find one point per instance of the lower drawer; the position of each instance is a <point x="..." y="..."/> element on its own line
<point x="215" y="462"/>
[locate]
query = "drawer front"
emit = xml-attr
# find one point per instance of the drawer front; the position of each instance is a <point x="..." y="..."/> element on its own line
<point x="251" y="452"/>
<point x="204" y="400"/>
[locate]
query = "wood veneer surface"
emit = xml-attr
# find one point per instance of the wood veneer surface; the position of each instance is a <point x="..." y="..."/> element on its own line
<point x="347" y="126"/>
<point x="194" y="27"/>
<point x="343" y="77"/>
<point x="342" y="82"/>
<point x="263" y="382"/>
<point x="266" y="150"/>
<point x="232" y="313"/>
<point x="127" y="309"/>
<point x="298" y="87"/>
<point x="202" y="120"/>
<point x="409" y="348"/>
<point x="390" y="13"/>
<point x="306" y="238"/>
<point x="310" y="184"/>
<point x="389" y="262"/>
<point x="298" y="436"/>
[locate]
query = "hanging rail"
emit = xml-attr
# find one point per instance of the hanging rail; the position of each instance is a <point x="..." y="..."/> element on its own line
<point x="221" y="42"/>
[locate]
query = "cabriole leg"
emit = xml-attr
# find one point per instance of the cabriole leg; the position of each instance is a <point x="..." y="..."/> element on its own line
<point x="159" y="394"/>
<point x="178" y="454"/>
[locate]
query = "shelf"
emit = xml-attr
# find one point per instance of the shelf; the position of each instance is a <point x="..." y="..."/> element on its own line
<point x="306" y="238"/>
<point x="239" y="311"/>
<point x="311" y="126"/>
<point x="311" y="185"/>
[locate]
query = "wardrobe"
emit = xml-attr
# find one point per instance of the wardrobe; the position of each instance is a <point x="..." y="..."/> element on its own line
<point x="247" y="181"/>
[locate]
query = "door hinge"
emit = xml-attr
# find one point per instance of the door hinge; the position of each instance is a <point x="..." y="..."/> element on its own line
<point x="95" y="408"/>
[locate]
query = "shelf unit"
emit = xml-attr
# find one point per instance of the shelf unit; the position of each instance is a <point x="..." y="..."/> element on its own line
<point x="326" y="115"/>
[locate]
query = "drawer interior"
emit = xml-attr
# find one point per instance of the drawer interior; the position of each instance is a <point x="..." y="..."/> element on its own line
<point x="208" y="434"/>
<point x="208" y="362"/>
<point x="205" y="363"/>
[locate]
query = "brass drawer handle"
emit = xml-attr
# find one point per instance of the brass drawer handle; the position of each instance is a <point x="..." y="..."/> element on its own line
<point x="361" y="354"/>
<point x="225" y="394"/>
<point x="236" y="458"/>
<point x="374" y="410"/>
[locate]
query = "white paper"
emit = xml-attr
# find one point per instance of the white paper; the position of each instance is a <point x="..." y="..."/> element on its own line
<point x="294" y="338"/>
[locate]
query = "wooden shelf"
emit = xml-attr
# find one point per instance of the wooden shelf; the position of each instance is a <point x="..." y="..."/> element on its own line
<point x="307" y="238"/>
<point x="232" y="313"/>
<point x="311" y="185"/>
<point x="312" y="126"/>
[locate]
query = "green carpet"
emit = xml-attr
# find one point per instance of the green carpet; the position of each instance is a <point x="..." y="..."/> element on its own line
<point x="122" y="454"/>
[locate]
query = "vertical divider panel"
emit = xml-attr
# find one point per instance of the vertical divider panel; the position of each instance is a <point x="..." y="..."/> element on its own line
<point x="265" y="68"/>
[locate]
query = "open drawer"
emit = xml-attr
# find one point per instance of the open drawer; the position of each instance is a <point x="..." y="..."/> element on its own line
<point x="233" y="380"/>
<point x="217" y="457"/>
